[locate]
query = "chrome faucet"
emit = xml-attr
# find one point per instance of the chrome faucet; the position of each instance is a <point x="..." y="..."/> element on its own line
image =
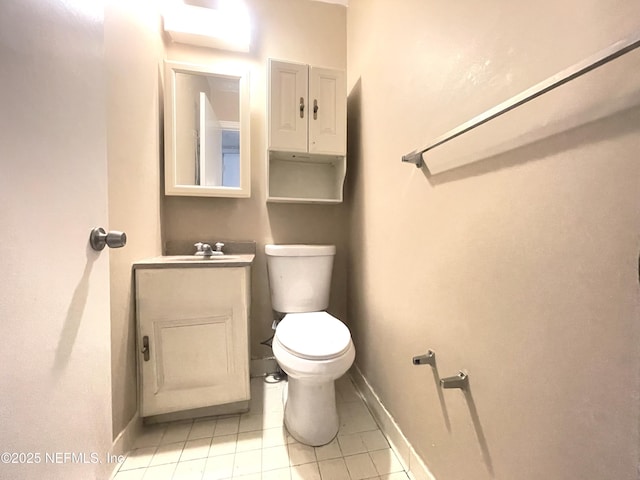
<point x="204" y="249"/>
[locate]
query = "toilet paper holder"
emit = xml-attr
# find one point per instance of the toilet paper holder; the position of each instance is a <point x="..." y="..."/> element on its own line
<point x="461" y="381"/>
<point x="428" y="358"/>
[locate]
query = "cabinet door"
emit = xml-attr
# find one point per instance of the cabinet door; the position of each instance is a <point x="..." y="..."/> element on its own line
<point x="328" y="111"/>
<point x="196" y="327"/>
<point x="288" y="106"/>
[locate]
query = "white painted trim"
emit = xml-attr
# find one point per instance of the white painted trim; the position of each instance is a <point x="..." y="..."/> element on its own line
<point x="123" y="443"/>
<point x="411" y="461"/>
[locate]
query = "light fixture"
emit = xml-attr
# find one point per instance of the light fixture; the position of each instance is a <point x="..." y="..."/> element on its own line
<point x="226" y="27"/>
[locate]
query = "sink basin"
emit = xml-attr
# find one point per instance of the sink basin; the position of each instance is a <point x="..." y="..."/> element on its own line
<point x="199" y="258"/>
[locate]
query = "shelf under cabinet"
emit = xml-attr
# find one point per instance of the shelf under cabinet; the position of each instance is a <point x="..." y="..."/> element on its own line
<point x="305" y="178"/>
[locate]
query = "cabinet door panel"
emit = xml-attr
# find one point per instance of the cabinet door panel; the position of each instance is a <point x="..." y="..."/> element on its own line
<point x="195" y="320"/>
<point x="287" y="86"/>
<point x="328" y="126"/>
<point x="193" y="353"/>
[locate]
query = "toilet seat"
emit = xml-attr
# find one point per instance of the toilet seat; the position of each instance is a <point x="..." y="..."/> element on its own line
<point x="313" y="335"/>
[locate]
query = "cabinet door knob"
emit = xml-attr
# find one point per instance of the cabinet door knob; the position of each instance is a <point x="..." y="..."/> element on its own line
<point x="315" y="109"/>
<point x="301" y="107"/>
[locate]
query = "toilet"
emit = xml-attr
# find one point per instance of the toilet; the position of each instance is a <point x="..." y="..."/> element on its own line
<point x="313" y="347"/>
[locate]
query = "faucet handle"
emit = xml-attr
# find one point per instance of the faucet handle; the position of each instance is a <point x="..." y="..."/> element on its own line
<point x="219" y="246"/>
<point x="198" y="246"/>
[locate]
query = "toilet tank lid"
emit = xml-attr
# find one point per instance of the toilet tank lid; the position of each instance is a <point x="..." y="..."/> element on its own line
<point x="299" y="250"/>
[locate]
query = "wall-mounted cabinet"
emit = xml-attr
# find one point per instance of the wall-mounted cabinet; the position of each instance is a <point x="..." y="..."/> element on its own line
<point x="307" y="133"/>
<point x="307" y="109"/>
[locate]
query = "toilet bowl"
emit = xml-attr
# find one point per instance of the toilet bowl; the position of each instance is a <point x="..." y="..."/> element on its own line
<point x="313" y="347"/>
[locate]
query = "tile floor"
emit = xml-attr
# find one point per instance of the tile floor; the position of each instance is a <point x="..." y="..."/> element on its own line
<point x="256" y="446"/>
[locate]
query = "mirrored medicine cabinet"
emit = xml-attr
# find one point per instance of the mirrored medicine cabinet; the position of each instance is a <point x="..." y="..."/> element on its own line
<point x="206" y="128"/>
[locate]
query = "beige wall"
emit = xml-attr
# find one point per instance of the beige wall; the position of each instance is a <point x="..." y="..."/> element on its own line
<point x="298" y="31"/>
<point x="133" y="56"/>
<point x="521" y="269"/>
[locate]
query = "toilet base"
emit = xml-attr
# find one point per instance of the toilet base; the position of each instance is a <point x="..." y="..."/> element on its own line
<point x="310" y="412"/>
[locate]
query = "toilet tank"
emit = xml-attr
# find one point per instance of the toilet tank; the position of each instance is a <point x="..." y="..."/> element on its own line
<point x="299" y="277"/>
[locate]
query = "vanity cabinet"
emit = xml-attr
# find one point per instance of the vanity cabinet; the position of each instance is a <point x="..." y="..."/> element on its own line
<point x="192" y="336"/>
<point x="307" y="133"/>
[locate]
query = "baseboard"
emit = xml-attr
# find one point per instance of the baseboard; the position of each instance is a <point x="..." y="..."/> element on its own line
<point x="125" y="440"/>
<point x="410" y="460"/>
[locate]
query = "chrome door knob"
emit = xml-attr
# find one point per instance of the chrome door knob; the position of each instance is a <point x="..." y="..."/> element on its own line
<point x="114" y="239"/>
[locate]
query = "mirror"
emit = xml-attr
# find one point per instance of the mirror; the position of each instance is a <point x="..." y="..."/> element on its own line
<point x="206" y="131"/>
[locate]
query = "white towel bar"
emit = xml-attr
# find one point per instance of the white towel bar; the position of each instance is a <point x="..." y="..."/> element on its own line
<point x="591" y="63"/>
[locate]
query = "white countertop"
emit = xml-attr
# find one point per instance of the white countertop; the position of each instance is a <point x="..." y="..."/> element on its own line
<point x="193" y="261"/>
